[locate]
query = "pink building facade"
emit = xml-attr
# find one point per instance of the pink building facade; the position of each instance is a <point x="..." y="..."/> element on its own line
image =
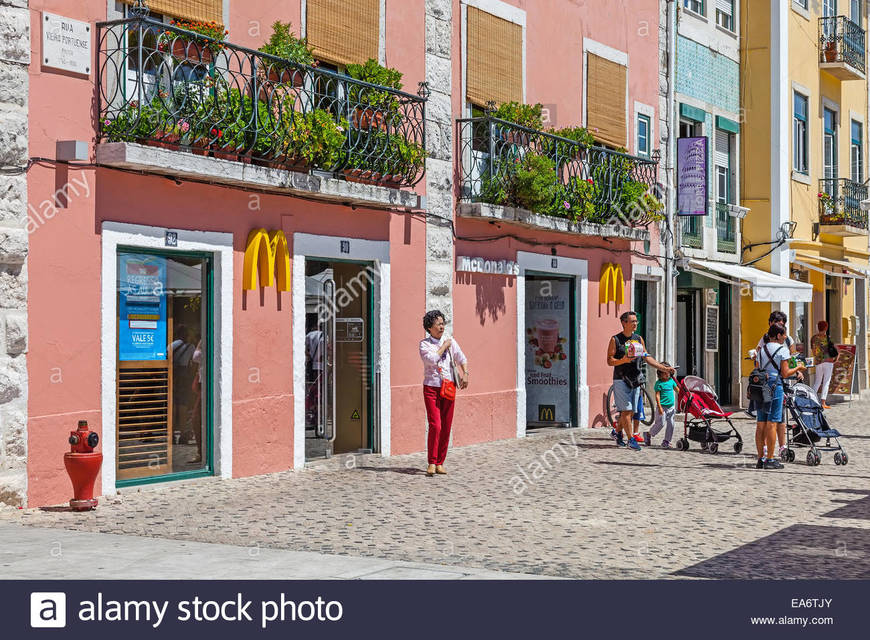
<point x="150" y="313"/>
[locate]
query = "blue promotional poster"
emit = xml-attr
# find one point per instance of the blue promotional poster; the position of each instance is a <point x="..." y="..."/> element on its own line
<point x="141" y="307"/>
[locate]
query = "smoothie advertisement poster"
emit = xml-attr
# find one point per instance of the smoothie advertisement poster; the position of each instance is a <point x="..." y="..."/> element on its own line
<point x="141" y="307"/>
<point x="548" y="329"/>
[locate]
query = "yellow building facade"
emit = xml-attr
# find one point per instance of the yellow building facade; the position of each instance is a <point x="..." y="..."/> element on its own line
<point x="804" y="165"/>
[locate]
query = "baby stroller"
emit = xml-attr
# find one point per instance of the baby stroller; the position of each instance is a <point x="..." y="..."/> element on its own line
<point x="700" y="406"/>
<point x="808" y="426"/>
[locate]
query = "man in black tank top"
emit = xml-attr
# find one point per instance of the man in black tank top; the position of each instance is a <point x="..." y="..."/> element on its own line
<point x="627" y="354"/>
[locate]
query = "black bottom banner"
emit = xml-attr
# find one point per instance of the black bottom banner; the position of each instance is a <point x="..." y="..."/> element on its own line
<point x="434" y="609"/>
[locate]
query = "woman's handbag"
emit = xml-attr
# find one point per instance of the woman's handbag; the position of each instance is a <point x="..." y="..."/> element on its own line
<point x="448" y="387"/>
<point x="832" y="350"/>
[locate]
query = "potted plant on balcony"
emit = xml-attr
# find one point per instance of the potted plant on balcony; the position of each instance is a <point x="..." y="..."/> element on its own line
<point x="831" y="50"/>
<point x="828" y="210"/>
<point x="524" y="115"/>
<point x="372" y="107"/>
<point x="193" y="48"/>
<point x="528" y="182"/>
<point x="284" y="44"/>
<point x="579" y="135"/>
<point x="312" y="139"/>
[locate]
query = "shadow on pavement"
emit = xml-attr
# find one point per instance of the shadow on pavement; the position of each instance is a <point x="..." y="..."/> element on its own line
<point x="802" y="552"/>
<point x="408" y="471"/>
<point x="853" y="509"/>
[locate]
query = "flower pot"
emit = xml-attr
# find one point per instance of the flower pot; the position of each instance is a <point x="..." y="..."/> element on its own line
<point x="187" y="50"/>
<point x="831" y="51"/>
<point x="368" y="118"/>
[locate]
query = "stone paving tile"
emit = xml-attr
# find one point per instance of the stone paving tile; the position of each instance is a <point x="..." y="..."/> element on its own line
<point x="562" y="503"/>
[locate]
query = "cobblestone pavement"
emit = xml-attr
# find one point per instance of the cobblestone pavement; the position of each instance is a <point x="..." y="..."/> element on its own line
<point x="562" y="503"/>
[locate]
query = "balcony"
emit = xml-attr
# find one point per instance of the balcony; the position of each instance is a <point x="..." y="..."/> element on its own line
<point x="841" y="48"/>
<point x="692" y="228"/>
<point x="726" y="237"/>
<point x="840" y="211"/>
<point x="168" y="88"/>
<point x="554" y="182"/>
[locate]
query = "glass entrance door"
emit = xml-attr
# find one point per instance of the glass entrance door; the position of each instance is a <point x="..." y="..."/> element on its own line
<point x="339" y="377"/>
<point x="163" y="417"/>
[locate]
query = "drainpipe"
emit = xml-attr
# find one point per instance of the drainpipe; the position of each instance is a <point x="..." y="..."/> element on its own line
<point x="671" y="182"/>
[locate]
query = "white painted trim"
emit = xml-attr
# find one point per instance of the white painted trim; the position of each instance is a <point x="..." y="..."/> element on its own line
<point x="608" y="53"/>
<point x="780" y="130"/>
<point x="800" y="177"/>
<point x="329" y="247"/>
<point x="857" y="117"/>
<point x="500" y="10"/>
<point x="604" y="51"/>
<point x="542" y="263"/>
<point x="221" y="246"/>
<point x="804" y="13"/>
<point x="303" y="19"/>
<point x="801" y="89"/>
<point x="650" y="112"/>
<point x="827" y="103"/>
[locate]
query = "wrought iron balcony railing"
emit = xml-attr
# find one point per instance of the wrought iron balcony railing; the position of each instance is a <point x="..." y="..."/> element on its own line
<point x="725" y="223"/>
<point x="692" y="231"/>
<point x="841" y="40"/>
<point x="161" y="85"/>
<point x="840" y="203"/>
<point x="504" y="163"/>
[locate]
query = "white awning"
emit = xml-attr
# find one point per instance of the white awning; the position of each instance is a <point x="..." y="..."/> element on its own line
<point x="766" y="287"/>
<point x="847" y="269"/>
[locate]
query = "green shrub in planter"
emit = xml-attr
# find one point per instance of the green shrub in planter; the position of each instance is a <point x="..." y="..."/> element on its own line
<point x="528" y="182"/>
<point x="314" y="137"/>
<point x="377" y="74"/>
<point x="284" y="44"/>
<point x="525" y="115"/>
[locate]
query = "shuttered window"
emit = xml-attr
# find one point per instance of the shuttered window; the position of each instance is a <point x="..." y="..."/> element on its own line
<point x="495" y="59"/>
<point x="343" y="31"/>
<point x="722" y="161"/>
<point x="204" y="10"/>
<point x="725" y="14"/>
<point x="606" y="100"/>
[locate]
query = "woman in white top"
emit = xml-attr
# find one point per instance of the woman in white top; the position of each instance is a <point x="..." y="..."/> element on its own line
<point x="436" y="351"/>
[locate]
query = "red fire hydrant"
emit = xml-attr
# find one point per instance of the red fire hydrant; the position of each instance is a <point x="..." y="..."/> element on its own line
<point x="83" y="464"/>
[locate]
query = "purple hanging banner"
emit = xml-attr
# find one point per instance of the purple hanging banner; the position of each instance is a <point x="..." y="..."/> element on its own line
<point x="692" y="176"/>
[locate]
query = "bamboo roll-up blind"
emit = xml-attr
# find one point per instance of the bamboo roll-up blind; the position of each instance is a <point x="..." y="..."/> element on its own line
<point x="495" y="59"/>
<point x="204" y="10"/>
<point x="605" y="100"/>
<point x="343" y="31"/>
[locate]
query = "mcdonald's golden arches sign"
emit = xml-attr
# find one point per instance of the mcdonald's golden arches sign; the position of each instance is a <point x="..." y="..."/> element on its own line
<point x="266" y="255"/>
<point x="611" y="287"/>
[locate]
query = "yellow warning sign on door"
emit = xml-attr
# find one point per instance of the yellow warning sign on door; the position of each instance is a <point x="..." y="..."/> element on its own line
<point x="355" y="415"/>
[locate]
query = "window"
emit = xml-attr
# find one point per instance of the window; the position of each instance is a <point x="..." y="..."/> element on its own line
<point x="204" y="10"/>
<point x="643" y="135"/>
<point x="829" y="8"/>
<point x="856" y="155"/>
<point x="343" y="31"/>
<point x="800" y="149"/>
<point x="494" y="59"/>
<point x="855" y="12"/>
<point x="606" y="100"/>
<point x="830" y="145"/>
<point x="725" y="14"/>
<point x="694" y="5"/>
<point x="722" y="162"/>
<point x="801" y="3"/>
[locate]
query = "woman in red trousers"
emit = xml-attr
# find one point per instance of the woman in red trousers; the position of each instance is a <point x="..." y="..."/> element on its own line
<point x="439" y="353"/>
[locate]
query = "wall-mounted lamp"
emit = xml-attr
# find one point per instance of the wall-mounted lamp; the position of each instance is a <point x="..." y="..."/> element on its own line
<point x="736" y="211"/>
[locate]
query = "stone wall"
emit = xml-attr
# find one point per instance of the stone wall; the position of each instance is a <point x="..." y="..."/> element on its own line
<point x="14" y="61"/>
<point x="439" y="166"/>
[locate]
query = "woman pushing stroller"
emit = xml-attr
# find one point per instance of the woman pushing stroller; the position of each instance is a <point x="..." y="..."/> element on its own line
<point x="773" y="359"/>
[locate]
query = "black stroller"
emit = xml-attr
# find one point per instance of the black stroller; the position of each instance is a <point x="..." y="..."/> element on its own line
<point x="808" y="426"/>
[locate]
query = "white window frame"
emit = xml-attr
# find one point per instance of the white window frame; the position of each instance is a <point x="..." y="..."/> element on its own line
<point x="613" y="55"/>
<point x="648" y="111"/>
<point x="806" y="133"/>
<point x="498" y="9"/>
<point x="220" y="245"/>
<point x="832" y="106"/>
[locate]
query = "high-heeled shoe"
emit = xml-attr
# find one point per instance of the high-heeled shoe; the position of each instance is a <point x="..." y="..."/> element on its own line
<point x="440" y="469"/>
<point x="430" y="470"/>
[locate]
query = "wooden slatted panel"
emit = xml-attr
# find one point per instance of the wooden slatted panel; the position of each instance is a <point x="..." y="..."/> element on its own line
<point x="495" y="59"/>
<point x="343" y="31"/>
<point x="144" y="419"/>
<point x="606" y="100"/>
<point x="204" y="10"/>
